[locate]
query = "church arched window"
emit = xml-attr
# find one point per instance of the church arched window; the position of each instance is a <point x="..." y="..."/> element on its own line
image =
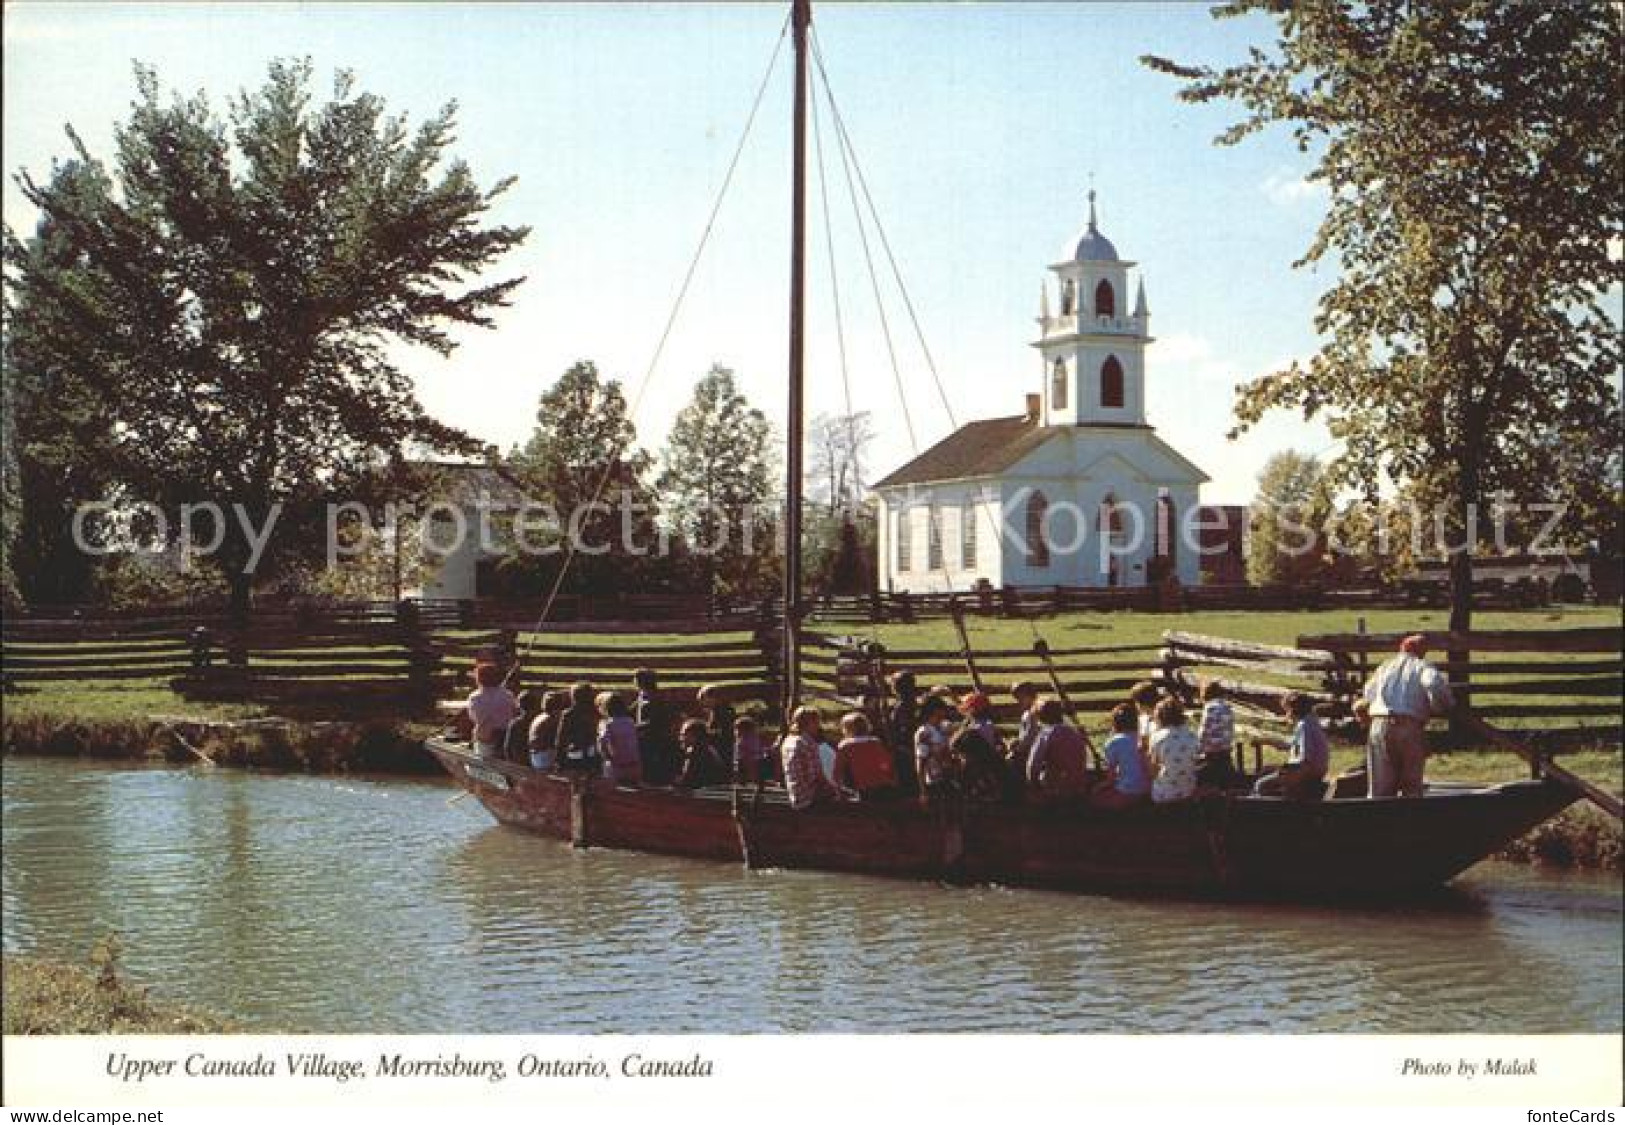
<point x="1037" y="543"/>
<point x="1105" y="299"/>
<point x="967" y="533"/>
<point x="1167" y="517"/>
<point x="1111" y="382"/>
<point x="905" y="544"/>
<point x="1057" y="385"/>
<point x="933" y="538"/>
<point x="1069" y="297"/>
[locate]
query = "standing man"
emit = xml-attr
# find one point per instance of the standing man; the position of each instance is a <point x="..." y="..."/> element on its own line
<point x="1400" y="698"/>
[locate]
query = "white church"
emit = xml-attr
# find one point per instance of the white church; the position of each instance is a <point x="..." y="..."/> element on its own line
<point x="1078" y="490"/>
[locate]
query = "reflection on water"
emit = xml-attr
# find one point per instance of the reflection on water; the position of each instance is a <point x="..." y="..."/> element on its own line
<point x="348" y="905"/>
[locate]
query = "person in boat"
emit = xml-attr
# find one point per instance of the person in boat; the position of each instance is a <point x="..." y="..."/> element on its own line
<point x="751" y="764"/>
<point x="979" y="751"/>
<point x="1174" y="751"/>
<point x="1216" y="738"/>
<point x="577" y="747"/>
<point x="656" y="723"/>
<point x="1127" y="775"/>
<point x="516" y="744"/>
<point x="719" y="719"/>
<point x="1399" y="699"/>
<point x="805" y="782"/>
<point x="702" y="765"/>
<point x="618" y="741"/>
<point x="863" y="763"/>
<point x="933" y="757"/>
<point x="1145" y="697"/>
<point x="902" y="720"/>
<point x="1303" y="777"/>
<point x="1026" y="694"/>
<point x="544" y="731"/>
<point x="1058" y="767"/>
<point x="491" y="707"/>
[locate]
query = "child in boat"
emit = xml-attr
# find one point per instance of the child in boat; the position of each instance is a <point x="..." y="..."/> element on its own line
<point x="1017" y="753"/>
<point x="863" y="764"/>
<point x="516" y="743"/>
<point x="1216" y="738"/>
<point x="719" y="720"/>
<point x="902" y="720"/>
<point x="702" y="765"/>
<point x="1145" y="697"/>
<point x="1130" y="780"/>
<point x="544" y="731"/>
<point x="1174" y="753"/>
<point x="1059" y="762"/>
<point x="1303" y="777"/>
<point x="805" y="782"/>
<point x="618" y="741"/>
<point x="577" y="745"/>
<point x="491" y="707"/>
<point x="933" y="759"/>
<point x="751" y="763"/>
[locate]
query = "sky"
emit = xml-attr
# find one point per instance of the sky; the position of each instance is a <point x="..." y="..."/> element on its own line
<point x="979" y="128"/>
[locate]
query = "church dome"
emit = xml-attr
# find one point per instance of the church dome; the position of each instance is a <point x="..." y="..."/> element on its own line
<point x="1091" y="245"/>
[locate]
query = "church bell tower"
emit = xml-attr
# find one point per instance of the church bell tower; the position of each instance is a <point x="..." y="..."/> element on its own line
<point x="1093" y="347"/>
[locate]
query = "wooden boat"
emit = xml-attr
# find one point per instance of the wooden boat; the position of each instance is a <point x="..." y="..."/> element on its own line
<point x="1234" y="845"/>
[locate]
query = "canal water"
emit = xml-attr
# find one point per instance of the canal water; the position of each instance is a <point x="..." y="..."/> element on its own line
<point x="342" y="905"/>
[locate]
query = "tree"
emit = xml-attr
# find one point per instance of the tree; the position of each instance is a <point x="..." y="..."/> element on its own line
<point x="228" y="290"/>
<point x="716" y="486"/>
<point x="583" y="460"/>
<point x="1285" y="542"/>
<point x="838" y="445"/>
<point x="1471" y="152"/>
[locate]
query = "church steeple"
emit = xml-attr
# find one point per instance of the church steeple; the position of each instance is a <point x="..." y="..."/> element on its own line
<point x="1094" y="349"/>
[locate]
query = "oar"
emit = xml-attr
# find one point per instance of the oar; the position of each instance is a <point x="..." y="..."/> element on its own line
<point x="965" y="652"/>
<point x="1598" y="796"/>
<point x="1041" y="647"/>
<point x="185" y="745"/>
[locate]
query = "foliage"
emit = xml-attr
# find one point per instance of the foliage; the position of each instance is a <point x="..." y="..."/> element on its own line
<point x="716" y="488"/>
<point x="837" y="445"/>
<point x="1285" y="536"/>
<point x="584" y="449"/>
<point x="215" y="309"/>
<point x="1470" y="151"/>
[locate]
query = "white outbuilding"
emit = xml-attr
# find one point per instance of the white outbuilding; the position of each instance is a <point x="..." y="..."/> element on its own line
<point x="1078" y="489"/>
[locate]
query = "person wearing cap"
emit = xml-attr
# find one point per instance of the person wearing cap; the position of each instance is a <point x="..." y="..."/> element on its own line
<point x="1399" y="699"/>
<point x="978" y="751"/>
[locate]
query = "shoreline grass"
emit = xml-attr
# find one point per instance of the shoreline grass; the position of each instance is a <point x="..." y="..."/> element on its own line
<point x="49" y="997"/>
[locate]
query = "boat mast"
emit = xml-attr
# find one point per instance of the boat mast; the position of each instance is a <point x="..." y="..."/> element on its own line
<point x="800" y="21"/>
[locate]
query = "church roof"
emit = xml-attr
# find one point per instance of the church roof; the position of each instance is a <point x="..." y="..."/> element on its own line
<point x="992" y="445"/>
<point x="977" y="449"/>
<point x="1091" y="245"/>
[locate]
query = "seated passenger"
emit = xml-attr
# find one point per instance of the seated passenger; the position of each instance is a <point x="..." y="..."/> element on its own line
<point x="804" y="779"/>
<point x="1126" y="769"/>
<point x="516" y="744"/>
<point x="719" y="720"/>
<point x="1057" y="768"/>
<point x="863" y="763"/>
<point x="977" y="750"/>
<point x="933" y="759"/>
<point x="1026" y="694"/>
<point x="544" y="730"/>
<point x="491" y="707"/>
<point x="618" y="741"/>
<point x="1173" y="753"/>
<point x="1303" y="778"/>
<point x="1216" y="739"/>
<point x="902" y="720"/>
<point x="702" y="765"/>
<point x="577" y="747"/>
<point x="1145" y="697"/>
<point x="751" y="762"/>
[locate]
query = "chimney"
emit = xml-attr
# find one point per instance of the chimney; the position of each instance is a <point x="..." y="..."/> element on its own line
<point x="1033" y="407"/>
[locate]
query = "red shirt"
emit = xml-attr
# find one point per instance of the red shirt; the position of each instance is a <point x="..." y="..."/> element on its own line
<point x="864" y="764"/>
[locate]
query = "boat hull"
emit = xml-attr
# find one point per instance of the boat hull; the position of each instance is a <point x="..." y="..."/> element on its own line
<point x="1237" y="846"/>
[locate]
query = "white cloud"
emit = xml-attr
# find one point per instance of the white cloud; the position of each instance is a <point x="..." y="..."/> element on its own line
<point x="1288" y="189"/>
